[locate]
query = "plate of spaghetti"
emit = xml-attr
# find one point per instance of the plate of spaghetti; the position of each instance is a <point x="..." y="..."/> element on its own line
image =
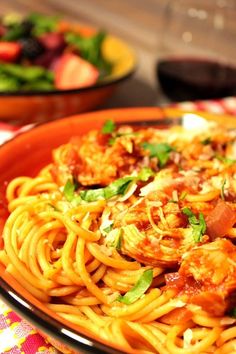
<point x="118" y="232"/>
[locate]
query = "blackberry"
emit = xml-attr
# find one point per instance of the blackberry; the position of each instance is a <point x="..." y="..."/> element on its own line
<point x="27" y="27"/>
<point x="31" y="47"/>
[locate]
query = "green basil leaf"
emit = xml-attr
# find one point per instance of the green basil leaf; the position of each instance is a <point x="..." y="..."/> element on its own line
<point x="198" y="225"/>
<point x="206" y="141"/>
<point x="117" y="240"/>
<point x="69" y="190"/>
<point x="161" y="151"/>
<point x="202" y="226"/>
<point x="108" y="127"/>
<point x="111" y="141"/>
<point x="91" y="195"/>
<point x="172" y="201"/>
<point x="145" y="173"/>
<point x="117" y="187"/>
<point x="222" y="190"/>
<point x="183" y="195"/>
<point x="138" y="289"/>
<point x="225" y="160"/>
<point x="108" y="228"/>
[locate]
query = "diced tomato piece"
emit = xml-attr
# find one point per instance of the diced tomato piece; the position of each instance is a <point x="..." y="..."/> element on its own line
<point x="220" y="220"/>
<point x="179" y="315"/>
<point x="9" y="51"/>
<point x="73" y="72"/>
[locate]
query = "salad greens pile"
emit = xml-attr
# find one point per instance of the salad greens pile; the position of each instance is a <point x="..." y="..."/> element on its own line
<point x="32" y="46"/>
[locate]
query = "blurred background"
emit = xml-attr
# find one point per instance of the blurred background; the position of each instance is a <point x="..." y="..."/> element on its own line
<point x="200" y="34"/>
<point x="138" y="22"/>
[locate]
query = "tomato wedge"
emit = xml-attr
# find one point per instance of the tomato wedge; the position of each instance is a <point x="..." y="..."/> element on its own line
<point x="9" y="51"/>
<point x="73" y="72"/>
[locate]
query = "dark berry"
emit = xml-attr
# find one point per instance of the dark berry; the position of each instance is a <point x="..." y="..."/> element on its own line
<point x="27" y="27"/>
<point x="46" y="59"/>
<point x="31" y="47"/>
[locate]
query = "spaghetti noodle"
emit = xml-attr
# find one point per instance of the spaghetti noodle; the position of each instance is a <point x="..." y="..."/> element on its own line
<point x="130" y="233"/>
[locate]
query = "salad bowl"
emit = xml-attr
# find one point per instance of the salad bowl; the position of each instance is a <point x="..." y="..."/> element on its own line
<point x="50" y="68"/>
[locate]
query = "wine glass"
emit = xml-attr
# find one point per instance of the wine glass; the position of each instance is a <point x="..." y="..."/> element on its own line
<point x="197" y="57"/>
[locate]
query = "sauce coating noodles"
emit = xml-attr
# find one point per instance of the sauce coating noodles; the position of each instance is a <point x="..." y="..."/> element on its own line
<point x="130" y="234"/>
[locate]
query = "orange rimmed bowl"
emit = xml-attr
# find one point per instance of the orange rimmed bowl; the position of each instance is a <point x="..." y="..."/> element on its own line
<point x="26" y="155"/>
<point x="39" y="106"/>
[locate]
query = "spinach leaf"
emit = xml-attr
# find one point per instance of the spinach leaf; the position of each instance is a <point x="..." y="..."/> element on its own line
<point x="43" y="23"/>
<point x="90" y="49"/>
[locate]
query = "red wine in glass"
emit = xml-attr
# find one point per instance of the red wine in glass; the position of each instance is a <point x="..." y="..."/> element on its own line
<point x="189" y="78"/>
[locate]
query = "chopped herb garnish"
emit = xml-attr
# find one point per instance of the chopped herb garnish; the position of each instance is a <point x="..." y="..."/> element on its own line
<point x="172" y="201"/>
<point x="138" y="289"/>
<point x="206" y="141"/>
<point x="69" y="190"/>
<point x="198" y="225"/>
<point x="225" y="160"/>
<point x="114" y="238"/>
<point x="232" y="312"/>
<point x="108" y="127"/>
<point x="161" y="151"/>
<point x="222" y="190"/>
<point x="111" y="141"/>
<point x="108" y="228"/>
<point x="118" y="241"/>
<point x="183" y="195"/>
<point x="145" y="173"/>
<point x="115" y="188"/>
<point x="53" y="207"/>
<point x="118" y="187"/>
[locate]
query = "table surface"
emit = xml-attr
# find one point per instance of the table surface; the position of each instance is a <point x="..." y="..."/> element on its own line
<point x="138" y="22"/>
